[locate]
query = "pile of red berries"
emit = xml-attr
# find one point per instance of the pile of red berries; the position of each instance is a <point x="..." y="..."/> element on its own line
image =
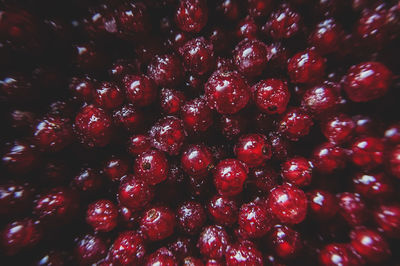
<point x="200" y="132"/>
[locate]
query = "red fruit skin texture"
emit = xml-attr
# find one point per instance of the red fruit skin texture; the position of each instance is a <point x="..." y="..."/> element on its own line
<point x="158" y="223"/>
<point x="191" y="15"/>
<point x="135" y="193"/>
<point x="322" y="204"/>
<point x="370" y="245"/>
<point x="271" y="96"/>
<point x="227" y="92"/>
<point x="191" y="217"/>
<point x="88" y="180"/>
<point x="367" y="152"/>
<point x="89" y="249"/>
<point x="133" y="18"/>
<point x="197" y="116"/>
<point x="306" y="67"/>
<point x="295" y="124"/>
<point x="327" y="36"/>
<point x="15" y="198"/>
<point x="394" y="161"/>
<point x="213" y="242"/>
<point x="327" y="158"/>
<point x="387" y="217"/>
<point x="367" y="81"/>
<point x="102" y="215"/>
<point x="338" y="129"/>
<point x="128" y="117"/>
<point x="19" y="157"/>
<point x="198" y="56"/>
<point x="244" y="254"/>
<point x="264" y="177"/>
<point x="232" y="126"/>
<point x="128" y="249"/>
<point x="93" y="126"/>
<point x="285" y="242"/>
<point x="320" y="100"/>
<point x="53" y="133"/>
<point x="197" y="160"/>
<point x="374" y="185"/>
<point x="250" y="57"/>
<point x="166" y="70"/>
<point x="191" y="261"/>
<point x="162" y="256"/>
<point x="253" y="149"/>
<point x="168" y="135"/>
<point x="171" y="101"/>
<point x="392" y="134"/>
<point x="259" y="8"/>
<point x="151" y="166"/>
<point x="222" y="210"/>
<point x="108" y="95"/>
<point x="229" y="177"/>
<point x="288" y="204"/>
<point x="255" y="219"/>
<point x="140" y="90"/>
<point x="283" y="23"/>
<point x="297" y="171"/>
<point x="115" y="168"/>
<point x="336" y="254"/>
<point x="352" y="208"/>
<point x="138" y="144"/>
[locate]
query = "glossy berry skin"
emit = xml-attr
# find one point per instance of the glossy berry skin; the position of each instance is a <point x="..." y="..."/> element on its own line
<point x="253" y="149"/>
<point x="171" y="101"/>
<point x="327" y="158"/>
<point x="198" y="56"/>
<point x="367" y="81"/>
<point x="373" y="185"/>
<point x="372" y="28"/>
<point x="191" y="15"/>
<point x="394" y="161"/>
<point x="352" y="208"/>
<point x="151" y="166"/>
<point x="283" y="23"/>
<point x="191" y="217"/>
<point x="108" y="96"/>
<point x="89" y="249"/>
<point x="140" y="90"/>
<point x="213" y="242"/>
<point x="387" y="217"/>
<point x="19" y="235"/>
<point x="53" y="133"/>
<point x="250" y="57"/>
<point x="259" y="8"/>
<point x="229" y="177"/>
<point x="227" y="92"/>
<point x="255" y="219"/>
<point x="191" y="261"/>
<point x="392" y="134"/>
<point x="128" y="117"/>
<point x="166" y="70"/>
<point x="222" y="210"/>
<point x="297" y="170"/>
<point x="158" y="223"/>
<point x="197" y="117"/>
<point x="326" y="37"/>
<point x="285" y="242"/>
<point x="265" y="178"/>
<point x="243" y="254"/>
<point x="338" y="129"/>
<point x="15" y="198"/>
<point x="367" y="152"/>
<point x="135" y="193"/>
<point x="271" y="96"/>
<point x="306" y="67"/>
<point x="19" y="157"/>
<point x="128" y="248"/>
<point x="231" y="126"/>
<point x="102" y="215"/>
<point x="230" y="9"/>
<point x="295" y="124"/>
<point x="93" y="126"/>
<point x="370" y="244"/>
<point x="138" y="144"/>
<point x="197" y="160"/>
<point x="115" y="168"/>
<point x="88" y="180"/>
<point x="320" y="99"/>
<point x="168" y="135"/>
<point x="247" y="28"/>
<point x="288" y="204"/>
<point x="162" y="256"/>
<point x="322" y="204"/>
<point x="133" y="18"/>
<point x="336" y="254"/>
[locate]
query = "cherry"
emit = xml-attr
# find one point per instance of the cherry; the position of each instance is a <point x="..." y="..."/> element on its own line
<point x="140" y="90"/>
<point x="247" y="28"/>
<point x="259" y="8"/>
<point x="306" y="67"/>
<point x="394" y="161"/>
<point x="133" y="18"/>
<point x="158" y="223"/>
<point x="83" y="88"/>
<point x="372" y="27"/>
<point x="213" y="242"/>
<point x="198" y="56"/>
<point x="191" y="15"/>
<point x="230" y="9"/>
<point x="254" y="219"/>
<point x="15" y="198"/>
<point x="271" y="96"/>
<point x="298" y="171"/>
<point x="135" y="193"/>
<point x="108" y="95"/>
<point x="392" y="134"/>
<point x="387" y="217"/>
<point x="197" y="160"/>
<point x="320" y="99"/>
<point x="196" y="116"/>
<point x="191" y="261"/>
<point x="264" y="177"/>
<point x="128" y="248"/>
<point x="352" y="208"/>
<point x="283" y="23"/>
<point x="284" y="241"/>
<point x="253" y="149"/>
<point x="322" y="204"/>
<point x="243" y="253"/>
<point x="90" y="249"/>
<point x="191" y="217"/>
<point x="229" y="177"/>
<point x="250" y="57"/>
<point x="151" y="166"/>
<point x="171" y="101"/>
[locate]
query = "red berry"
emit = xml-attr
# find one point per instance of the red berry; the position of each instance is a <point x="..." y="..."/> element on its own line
<point x="247" y="28"/>
<point x="140" y="90"/>
<point x="151" y="166"/>
<point x="138" y="144"/>
<point x="394" y="161"/>
<point x="327" y="36"/>
<point x="264" y="177"/>
<point x="90" y="249"/>
<point x="374" y="186"/>
<point x="213" y="242"/>
<point x="255" y="220"/>
<point x="337" y="254"/>
<point x="115" y="168"/>
<point x="271" y="96"/>
<point x="88" y="180"/>
<point x="295" y="124"/>
<point x="19" y="157"/>
<point x="283" y="23"/>
<point x="166" y="70"/>
<point x="82" y="88"/>
<point x="191" y="217"/>
<point x="198" y="56"/>
<point x="53" y="133"/>
<point x="392" y="134"/>
<point x="158" y="223"/>
<point x="370" y="245"/>
<point x="191" y="15"/>
<point x="285" y="242"/>
<point x="297" y="171"/>
<point x="327" y="158"/>
<point x="197" y="160"/>
<point x="229" y="177"/>
<point x="171" y="101"/>
<point x="367" y="152"/>
<point x="129" y="118"/>
<point x="108" y="95"/>
<point x="162" y="256"/>
<point x="322" y="204"/>
<point x="352" y="208"/>
<point x="133" y="18"/>
<point x="243" y="254"/>
<point x="306" y="67"/>
<point x="15" y="198"/>
<point x="338" y="128"/>
<point x="250" y="57"/>
<point x="259" y="8"/>
<point x="232" y="126"/>
<point x="129" y="248"/>
<point x="135" y="193"/>
<point x="387" y="217"/>
<point x="102" y="215"/>
<point x="253" y="149"/>
<point x="320" y="99"/>
<point x="197" y="117"/>
<point x="222" y="210"/>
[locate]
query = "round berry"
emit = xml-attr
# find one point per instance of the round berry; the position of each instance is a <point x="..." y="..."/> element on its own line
<point x="197" y="160"/>
<point x="135" y="193"/>
<point x="243" y="254"/>
<point x="108" y="95"/>
<point x="196" y="116"/>
<point x="128" y="248"/>
<point x="254" y="219"/>
<point x="198" y="56"/>
<point x="229" y="177"/>
<point x="191" y="15"/>
<point x="191" y="217"/>
<point x="250" y="57"/>
<point x="253" y="149"/>
<point x="306" y="67"/>
<point x="223" y="211"/>
<point x="140" y="90"/>
<point x="151" y="166"/>
<point x="271" y="96"/>
<point x="297" y="171"/>
<point x="387" y="217"/>
<point x="295" y="124"/>
<point x="367" y="152"/>
<point x="158" y="223"/>
<point x="213" y="242"/>
<point x="285" y="242"/>
<point x="370" y="245"/>
<point x="102" y="215"/>
<point x="322" y="204"/>
<point x="166" y="70"/>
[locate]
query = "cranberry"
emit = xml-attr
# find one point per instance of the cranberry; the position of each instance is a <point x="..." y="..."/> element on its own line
<point x="196" y="115"/>
<point x="191" y="217"/>
<point x="367" y="152"/>
<point x="227" y="92"/>
<point x="264" y="177"/>
<point x="222" y="210"/>
<point x="295" y="123"/>
<point x="271" y="96"/>
<point x="288" y="204"/>
<point x="213" y="242"/>
<point x="166" y="70"/>
<point x="115" y="168"/>
<point x="320" y="99"/>
<point x="387" y="217"/>
<point x="83" y="88"/>
<point x="191" y="15"/>
<point x="162" y="256"/>
<point x="20" y="157"/>
<point x="138" y="144"/>
<point x="158" y="223"/>
<point x="133" y="18"/>
<point x="370" y="244"/>
<point x="108" y="95"/>
<point x="394" y="161"/>
<point x="367" y="81"/>
<point x="128" y="117"/>
<point x="19" y="235"/>
<point x="254" y="219"/>
<point x="253" y="149"/>
<point x="229" y="177"/>
<point x="352" y="208"/>
<point x="140" y="90"/>
<point x="283" y="23"/>
<point x="250" y="57"/>
<point x="151" y="166"/>
<point x="322" y="204"/>
<point x="327" y="158"/>
<point x="297" y="171"/>
<point x="243" y="254"/>
<point x="90" y="249"/>
<point x="247" y="28"/>
<point x="338" y="129"/>
<point x="88" y="180"/>
<point x="306" y="67"/>
<point x="135" y="194"/>
<point x="93" y="126"/>
<point x="327" y="36"/>
<point x="285" y="242"/>
<point x="373" y="185"/>
<point x="197" y="160"/>
<point x="198" y="56"/>
<point x="128" y="248"/>
<point x="337" y="254"/>
<point x="171" y="101"/>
